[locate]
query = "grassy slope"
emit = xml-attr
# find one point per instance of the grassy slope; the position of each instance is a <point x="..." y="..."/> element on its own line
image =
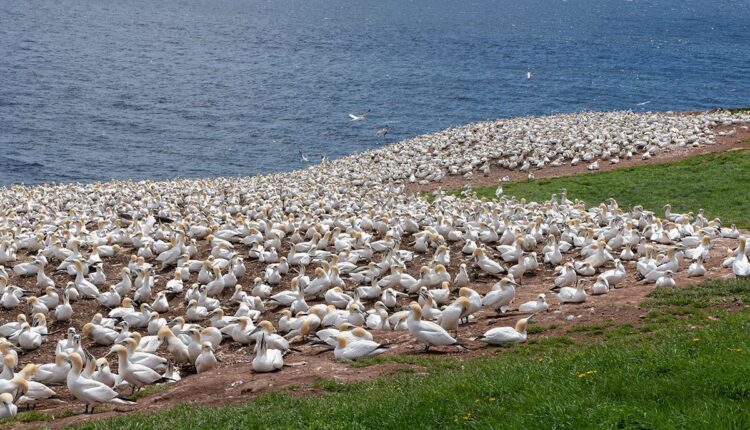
<point x="657" y="374"/>
<point x="718" y="183"/>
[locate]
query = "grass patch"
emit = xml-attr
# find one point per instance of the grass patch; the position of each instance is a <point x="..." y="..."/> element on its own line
<point x="333" y="386"/>
<point x="551" y="342"/>
<point x="712" y="292"/>
<point x="538" y="328"/>
<point x="592" y="329"/>
<point x="621" y="331"/>
<point x="27" y="417"/>
<point x="740" y="109"/>
<point x="426" y="361"/>
<point x="714" y="182"/>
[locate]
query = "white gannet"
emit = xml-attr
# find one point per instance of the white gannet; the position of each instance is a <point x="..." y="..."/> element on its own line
<point x="350" y="350"/>
<point x="741" y="265"/>
<point x="501" y="295"/>
<point x="572" y="295"/>
<point x="665" y="280"/>
<point x="696" y="268"/>
<point x="507" y="335"/>
<point x="359" y="117"/>
<point x="7" y="408"/>
<point x="535" y="306"/>
<point x="206" y="360"/>
<point x="89" y="391"/>
<point x="28" y="339"/>
<point x="601" y="286"/>
<point x="427" y="332"/>
<point x="137" y="375"/>
<point x="266" y="359"/>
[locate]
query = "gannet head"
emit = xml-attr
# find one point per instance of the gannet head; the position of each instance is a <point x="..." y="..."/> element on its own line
<point x="121" y="351"/>
<point x="416" y="311"/>
<point x="76" y="362"/>
<point x="60" y="358"/>
<point x="164" y="333"/>
<point x="22" y="385"/>
<point x="522" y="323"/>
<point x="463" y="303"/>
<point x="341" y="341"/>
<point x="87" y="329"/>
<point x="10" y="361"/>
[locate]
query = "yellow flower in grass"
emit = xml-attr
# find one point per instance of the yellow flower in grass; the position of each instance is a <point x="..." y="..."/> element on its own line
<point x="587" y="374"/>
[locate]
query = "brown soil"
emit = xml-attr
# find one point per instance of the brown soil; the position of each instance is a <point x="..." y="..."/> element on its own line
<point x="233" y="382"/>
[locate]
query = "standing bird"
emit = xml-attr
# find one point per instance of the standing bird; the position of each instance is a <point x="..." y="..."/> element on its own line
<point x="89" y="391"/>
<point x="206" y="360"/>
<point x="135" y="374"/>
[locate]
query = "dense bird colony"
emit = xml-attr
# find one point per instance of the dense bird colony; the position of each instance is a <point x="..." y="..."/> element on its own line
<point x="161" y="276"/>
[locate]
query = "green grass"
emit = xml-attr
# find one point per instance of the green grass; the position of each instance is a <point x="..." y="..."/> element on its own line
<point x="717" y="183"/>
<point x="593" y="329"/>
<point x="710" y="292"/>
<point x="26" y="417"/>
<point x="539" y="328"/>
<point x="675" y="376"/>
<point x="740" y="109"/>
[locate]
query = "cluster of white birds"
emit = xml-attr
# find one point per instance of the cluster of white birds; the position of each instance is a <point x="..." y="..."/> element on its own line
<point x="164" y="275"/>
<point x="532" y="143"/>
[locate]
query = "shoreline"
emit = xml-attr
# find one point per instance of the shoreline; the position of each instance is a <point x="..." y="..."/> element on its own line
<point x="723" y="143"/>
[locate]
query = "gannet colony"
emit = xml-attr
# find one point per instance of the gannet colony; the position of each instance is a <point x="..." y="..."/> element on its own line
<point x="147" y="281"/>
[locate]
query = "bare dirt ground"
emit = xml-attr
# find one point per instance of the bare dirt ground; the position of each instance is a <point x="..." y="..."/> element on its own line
<point x="233" y="382"/>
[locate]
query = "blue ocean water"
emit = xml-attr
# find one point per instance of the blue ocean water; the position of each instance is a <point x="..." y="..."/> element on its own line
<point x="98" y="89"/>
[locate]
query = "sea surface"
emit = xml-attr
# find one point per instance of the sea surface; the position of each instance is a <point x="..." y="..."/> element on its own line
<point x="97" y="89"/>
